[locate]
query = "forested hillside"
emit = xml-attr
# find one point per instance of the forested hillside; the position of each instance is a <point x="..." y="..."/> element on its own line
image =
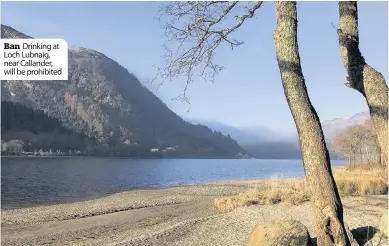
<point x="27" y="130"/>
<point x="103" y="101"/>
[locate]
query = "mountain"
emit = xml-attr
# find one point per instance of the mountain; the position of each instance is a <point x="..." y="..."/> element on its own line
<point x="260" y="142"/>
<point x="332" y="128"/>
<point x="267" y="144"/>
<point x="37" y="131"/>
<point x="275" y="150"/>
<point x="245" y="135"/>
<point x="102" y="100"/>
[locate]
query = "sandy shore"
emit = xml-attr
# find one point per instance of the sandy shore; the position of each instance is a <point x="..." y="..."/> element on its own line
<point x="176" y="216"/>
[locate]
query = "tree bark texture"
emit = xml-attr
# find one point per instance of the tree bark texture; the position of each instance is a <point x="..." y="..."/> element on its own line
<point x="326" y="203"/>
<point x="362" y="77"/>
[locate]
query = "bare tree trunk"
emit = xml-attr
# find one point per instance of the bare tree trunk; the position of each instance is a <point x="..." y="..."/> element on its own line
<point x="326" y="203"/>
<point x="368" y="159"/>
<point x="362" y="77"/>
<point x="349" y="157"/>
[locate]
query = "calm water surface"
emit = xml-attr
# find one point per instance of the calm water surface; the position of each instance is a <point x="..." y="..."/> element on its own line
<point x="33" y="181"/>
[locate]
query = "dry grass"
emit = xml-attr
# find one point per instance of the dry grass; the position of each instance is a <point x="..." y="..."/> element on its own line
<point x="361" y="180"/>
<point x="291" y="191"/>
<point x="358" y="180"/>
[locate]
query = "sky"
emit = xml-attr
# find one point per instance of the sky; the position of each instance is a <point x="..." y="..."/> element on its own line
<point x="249" y="91"/>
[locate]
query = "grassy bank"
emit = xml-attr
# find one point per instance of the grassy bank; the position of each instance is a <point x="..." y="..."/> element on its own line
<point x="359" y="180"/>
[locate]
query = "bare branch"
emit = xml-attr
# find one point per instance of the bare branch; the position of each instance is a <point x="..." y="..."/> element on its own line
<point x="348" y="82"/>
<point x="196" y="30"/>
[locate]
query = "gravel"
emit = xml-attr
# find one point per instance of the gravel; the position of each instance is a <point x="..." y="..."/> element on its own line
<point x="176" y="216"/>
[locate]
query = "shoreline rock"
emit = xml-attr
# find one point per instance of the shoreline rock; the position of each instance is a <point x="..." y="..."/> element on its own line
<point x="288" y="232"/>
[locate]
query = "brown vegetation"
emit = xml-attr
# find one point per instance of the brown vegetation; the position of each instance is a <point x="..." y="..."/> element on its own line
<point x="358" y="143"/>
<point x="273" y="191"/>
<point x="361" y="180"/>
<point x="358" y="180"/>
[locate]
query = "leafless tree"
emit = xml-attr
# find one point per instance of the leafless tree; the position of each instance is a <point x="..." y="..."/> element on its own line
<point x="358" y="144"/>
<point x="345" y="145"/>
<point x="362" y="77"/>
<point x="12" y="147"/>
<point x="199" y="28"/>
<point x="196" y="30"/>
